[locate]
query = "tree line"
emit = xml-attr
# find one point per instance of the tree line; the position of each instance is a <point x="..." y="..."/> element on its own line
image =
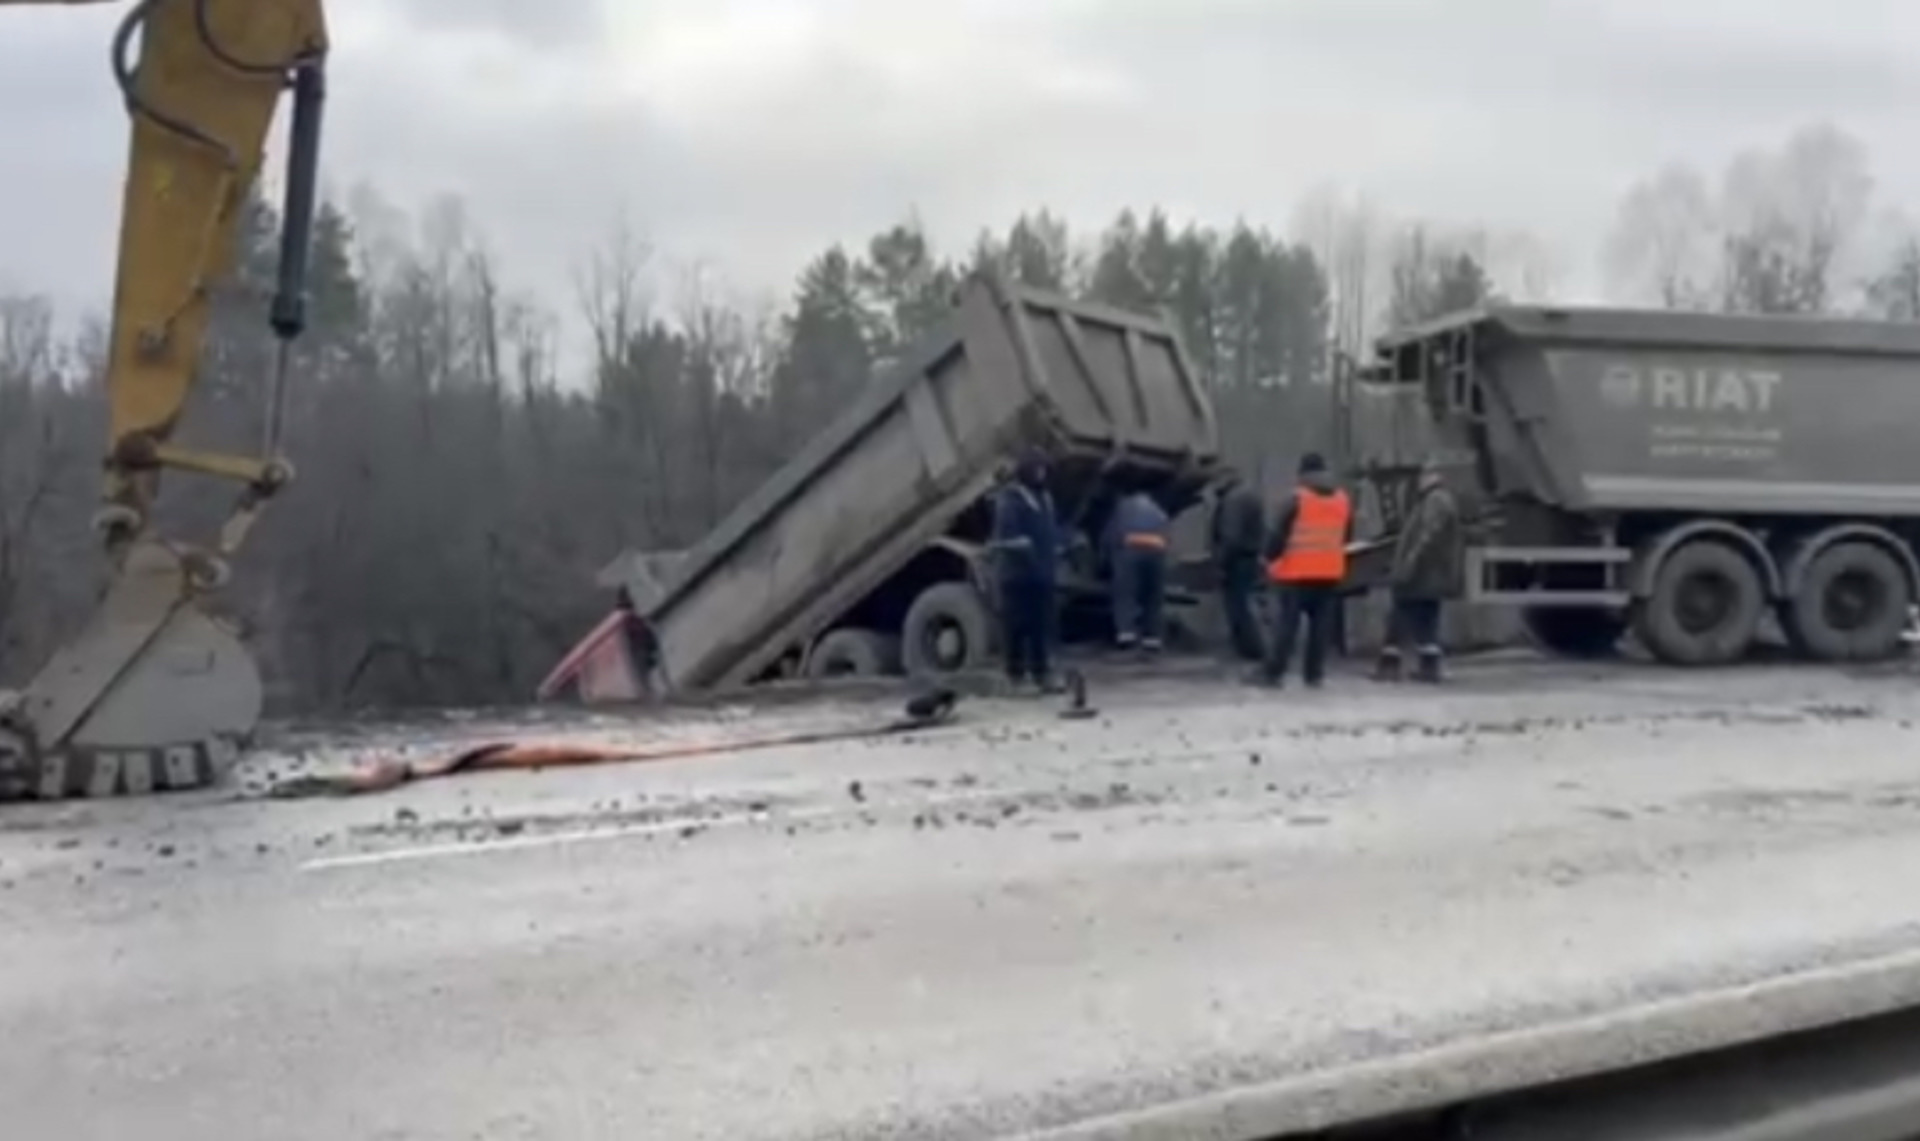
<point x="1792" y="229"/>
<point x="457" y="492"/>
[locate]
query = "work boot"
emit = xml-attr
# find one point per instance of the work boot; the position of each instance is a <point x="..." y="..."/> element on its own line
<point x="1429" y="669"/>
<point x="1389" y="668"/>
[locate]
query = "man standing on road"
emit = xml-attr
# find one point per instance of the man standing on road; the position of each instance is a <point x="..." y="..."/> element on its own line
<point x="1026" y="548"/>
<point x="1427" y="570"/>
<point x="1307" y="559"/>
<point x="1136" y="542"/>
<point x="1238" y="537"/>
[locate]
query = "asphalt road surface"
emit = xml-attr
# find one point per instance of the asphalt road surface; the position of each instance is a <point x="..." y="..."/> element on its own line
<point x="1009" y="924"/>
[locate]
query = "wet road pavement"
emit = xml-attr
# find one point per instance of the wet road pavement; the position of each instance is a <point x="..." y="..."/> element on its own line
<point x="1011" y="922"/>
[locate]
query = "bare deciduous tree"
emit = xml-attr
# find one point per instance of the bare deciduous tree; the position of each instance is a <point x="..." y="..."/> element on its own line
<point x="1788" y="218"/>
<point x="1663" y="246"/>
<point x="1894" y="292"/>
<point x="1776" y="238"/>
<point x="46" y="476"/>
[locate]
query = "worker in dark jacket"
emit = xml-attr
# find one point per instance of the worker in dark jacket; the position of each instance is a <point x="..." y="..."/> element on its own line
<point x="1026" y="550"/>
<point x="1427" y="570"/>
<point x="1239" y="536"/>
<point x="1136" y="547"/>
<point x="1307" y="561"/>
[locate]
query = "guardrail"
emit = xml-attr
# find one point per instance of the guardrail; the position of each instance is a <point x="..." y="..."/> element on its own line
<point x="1858" y="1081"/>
<point x="1828" y="1054"/>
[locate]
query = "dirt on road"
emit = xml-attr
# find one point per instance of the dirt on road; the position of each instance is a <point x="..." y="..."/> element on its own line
<point x="1011" y="923"/>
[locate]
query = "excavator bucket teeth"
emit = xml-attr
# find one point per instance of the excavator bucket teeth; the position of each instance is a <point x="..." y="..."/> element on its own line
<point x="154" y="695"/>
<point x="73" y="773"/>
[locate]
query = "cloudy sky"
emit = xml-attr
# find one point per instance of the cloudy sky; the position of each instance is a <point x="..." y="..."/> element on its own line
<point x="748" y="133"/>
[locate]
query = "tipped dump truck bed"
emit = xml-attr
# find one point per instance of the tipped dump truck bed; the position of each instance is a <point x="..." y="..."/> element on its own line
<point x="1011" y="367"/>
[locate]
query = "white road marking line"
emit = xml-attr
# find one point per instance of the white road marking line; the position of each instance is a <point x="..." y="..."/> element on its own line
<point x="624" y="831"/>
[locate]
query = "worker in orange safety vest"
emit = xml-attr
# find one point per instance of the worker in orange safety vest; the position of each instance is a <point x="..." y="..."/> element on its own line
<point x="1306" y="562"/>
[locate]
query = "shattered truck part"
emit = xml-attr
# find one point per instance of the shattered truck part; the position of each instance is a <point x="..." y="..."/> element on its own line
<point x="1684" y="473"/>
<point x="154" y="695"/>
<point x="887" y="502"/>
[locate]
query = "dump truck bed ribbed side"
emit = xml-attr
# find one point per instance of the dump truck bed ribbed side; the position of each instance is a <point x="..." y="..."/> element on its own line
<point x="1012" y="367"/>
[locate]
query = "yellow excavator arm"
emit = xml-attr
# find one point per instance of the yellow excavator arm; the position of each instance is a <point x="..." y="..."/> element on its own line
<point x="156" y="694"/>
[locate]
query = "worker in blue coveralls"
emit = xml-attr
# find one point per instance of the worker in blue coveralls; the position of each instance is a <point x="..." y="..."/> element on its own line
<point x="1026" y="550"/>
<point x="1136" y="540"/>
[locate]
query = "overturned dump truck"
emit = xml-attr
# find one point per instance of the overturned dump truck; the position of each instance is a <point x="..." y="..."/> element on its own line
<point x="1686" y="476"/>
<point x="865" y="554"/>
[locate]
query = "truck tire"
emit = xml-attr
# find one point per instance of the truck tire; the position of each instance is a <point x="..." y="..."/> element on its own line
<point x="849" y="652"/>
<point x="1850" y="606"/>
<point x="1581" y="632"/>
<point x="948" y="629"/>
<point x="1705" y="607"/>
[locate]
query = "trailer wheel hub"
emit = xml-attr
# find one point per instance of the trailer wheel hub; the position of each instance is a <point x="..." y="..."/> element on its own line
<point x="1852" y="600"/>
<point x="1705" y="602"/>
<point x="949" y="645"/>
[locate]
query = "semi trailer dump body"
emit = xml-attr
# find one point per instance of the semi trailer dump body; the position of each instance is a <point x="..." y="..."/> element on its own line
<point x="1686" y="475"/>
<point x="865" y="552"/>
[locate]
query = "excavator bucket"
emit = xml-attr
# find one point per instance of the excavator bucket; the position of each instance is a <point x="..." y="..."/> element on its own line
<point x="154" y="695"/>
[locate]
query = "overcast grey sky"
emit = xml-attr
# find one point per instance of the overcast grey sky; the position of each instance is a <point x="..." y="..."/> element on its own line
<point x="748" y="133"/>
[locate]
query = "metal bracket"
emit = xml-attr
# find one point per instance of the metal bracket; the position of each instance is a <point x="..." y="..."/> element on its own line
<point x="1480" y="559"/>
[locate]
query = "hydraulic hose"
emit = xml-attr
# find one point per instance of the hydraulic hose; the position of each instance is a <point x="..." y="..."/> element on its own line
<point x="123" y="74"/>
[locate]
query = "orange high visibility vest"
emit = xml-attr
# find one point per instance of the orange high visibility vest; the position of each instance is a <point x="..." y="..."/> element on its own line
<point x="1317" y="546"/>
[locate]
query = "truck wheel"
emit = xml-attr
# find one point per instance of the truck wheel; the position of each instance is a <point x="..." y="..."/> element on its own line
<point x="1851" y="606"/>
<point x="1705" y="606"/>
<point x="848" y="652"/>
<point x="947" y="630"/>
<point x="1584" y="632"/>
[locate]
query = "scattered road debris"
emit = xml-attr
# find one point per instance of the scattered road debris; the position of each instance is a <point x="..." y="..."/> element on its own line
<point x="1077" y="708"/>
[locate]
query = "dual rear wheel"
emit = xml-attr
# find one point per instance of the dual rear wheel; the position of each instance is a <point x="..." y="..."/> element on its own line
<point x="850" y="652"/>
<point x="1705" y="606"/>
<point x="947" y="630"/>
<point x="1852" y="605"/>
<point x="1708" y="600"/>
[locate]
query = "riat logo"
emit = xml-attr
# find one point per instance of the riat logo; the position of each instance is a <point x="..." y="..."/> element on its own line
<point x="1714" y="390"/>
